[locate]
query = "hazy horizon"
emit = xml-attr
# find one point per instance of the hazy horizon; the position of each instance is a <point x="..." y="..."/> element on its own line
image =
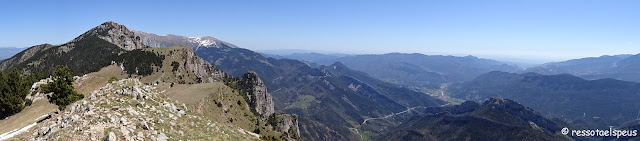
<point x="540" y="31"/>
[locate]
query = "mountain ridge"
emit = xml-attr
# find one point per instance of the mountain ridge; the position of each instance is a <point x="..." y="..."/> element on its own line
<point x="155" y="41"/>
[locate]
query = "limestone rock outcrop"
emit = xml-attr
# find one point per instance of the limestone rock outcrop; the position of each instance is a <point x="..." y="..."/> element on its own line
<point x="288" y="125"/>
<point x="257" y="96"/>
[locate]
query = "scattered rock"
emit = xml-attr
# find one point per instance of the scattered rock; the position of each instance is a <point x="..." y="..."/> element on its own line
<point x="161" y="137"/>
<point x="115" y="108"/>
<point x="123" y="121"/>
<point x="89" y="108"/>
<point x="111" y="137"/>
<point x="144" y="125"/>
<point x="43" y="131"/>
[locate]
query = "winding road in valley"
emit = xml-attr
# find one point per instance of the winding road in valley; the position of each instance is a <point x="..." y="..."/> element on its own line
<point x="391" y="115"/>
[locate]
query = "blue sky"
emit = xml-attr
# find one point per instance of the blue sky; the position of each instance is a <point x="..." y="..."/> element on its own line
<point x="526" y="29"/>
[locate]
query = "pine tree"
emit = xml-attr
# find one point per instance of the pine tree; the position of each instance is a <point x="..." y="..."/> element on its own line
<point x="62" y="88"/>
<point x="13" y="90"/>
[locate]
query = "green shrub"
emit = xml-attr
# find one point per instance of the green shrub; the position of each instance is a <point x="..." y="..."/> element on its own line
<point x="28" y="102"/>
<point x="175" y="65"/>
<point x="272" y="120"/>
<point x="113" y="78"/>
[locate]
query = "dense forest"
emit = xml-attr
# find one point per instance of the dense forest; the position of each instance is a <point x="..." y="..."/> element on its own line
<point x="14" y="87"/>
<point x="90" y="55"/>
<point x="140" y="62"/>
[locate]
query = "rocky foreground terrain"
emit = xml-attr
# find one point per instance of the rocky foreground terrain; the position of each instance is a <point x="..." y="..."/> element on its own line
<point x="129" y="110"/>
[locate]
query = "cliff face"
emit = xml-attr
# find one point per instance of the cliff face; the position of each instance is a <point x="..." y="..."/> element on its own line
<point x="257" y="96"/>
<point x="260" y="102"/>
<point x="288" y="125"/>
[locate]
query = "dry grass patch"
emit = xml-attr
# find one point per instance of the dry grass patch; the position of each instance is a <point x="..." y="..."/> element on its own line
<point x="28" y="116"/>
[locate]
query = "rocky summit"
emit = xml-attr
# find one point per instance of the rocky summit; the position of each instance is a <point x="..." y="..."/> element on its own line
<point x="116" y="34"/>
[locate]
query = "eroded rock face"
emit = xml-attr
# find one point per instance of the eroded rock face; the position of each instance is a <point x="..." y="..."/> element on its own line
<point x="288" y="125"/>
<point x="116" y="34"/>
<point x="258" y="98"/>
<point x="260" y="101"/>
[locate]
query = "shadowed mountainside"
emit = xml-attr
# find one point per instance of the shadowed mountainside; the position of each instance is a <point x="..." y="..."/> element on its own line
<point x="495" y="119"/>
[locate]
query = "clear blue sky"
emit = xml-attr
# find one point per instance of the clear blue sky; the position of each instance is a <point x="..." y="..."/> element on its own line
<point x="527" y="29"/>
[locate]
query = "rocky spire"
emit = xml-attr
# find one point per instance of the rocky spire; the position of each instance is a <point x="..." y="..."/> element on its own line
<point x="258" y="97"/>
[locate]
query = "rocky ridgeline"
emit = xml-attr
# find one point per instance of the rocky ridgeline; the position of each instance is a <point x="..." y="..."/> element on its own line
<point x="130" y="110"/>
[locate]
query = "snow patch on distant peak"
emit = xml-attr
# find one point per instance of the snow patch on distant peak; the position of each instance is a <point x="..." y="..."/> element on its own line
<point x="204" y="40"/>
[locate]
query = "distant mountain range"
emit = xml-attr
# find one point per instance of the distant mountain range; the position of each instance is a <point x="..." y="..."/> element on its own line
<point x="157" y="41"/>
<point x="587" y="102"/>
<point x="621" y="67"/>
<point x="412" y="70"/>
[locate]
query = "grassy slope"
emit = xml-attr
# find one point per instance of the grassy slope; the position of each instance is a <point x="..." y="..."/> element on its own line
<point x="28" y="116"/>
<point x="165" y="74"/>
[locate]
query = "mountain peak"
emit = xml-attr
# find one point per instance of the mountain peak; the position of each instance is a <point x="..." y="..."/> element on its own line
<point x="114" y="33"/>
<point x="204" y="40"/>
<point x="111" y="23"/>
